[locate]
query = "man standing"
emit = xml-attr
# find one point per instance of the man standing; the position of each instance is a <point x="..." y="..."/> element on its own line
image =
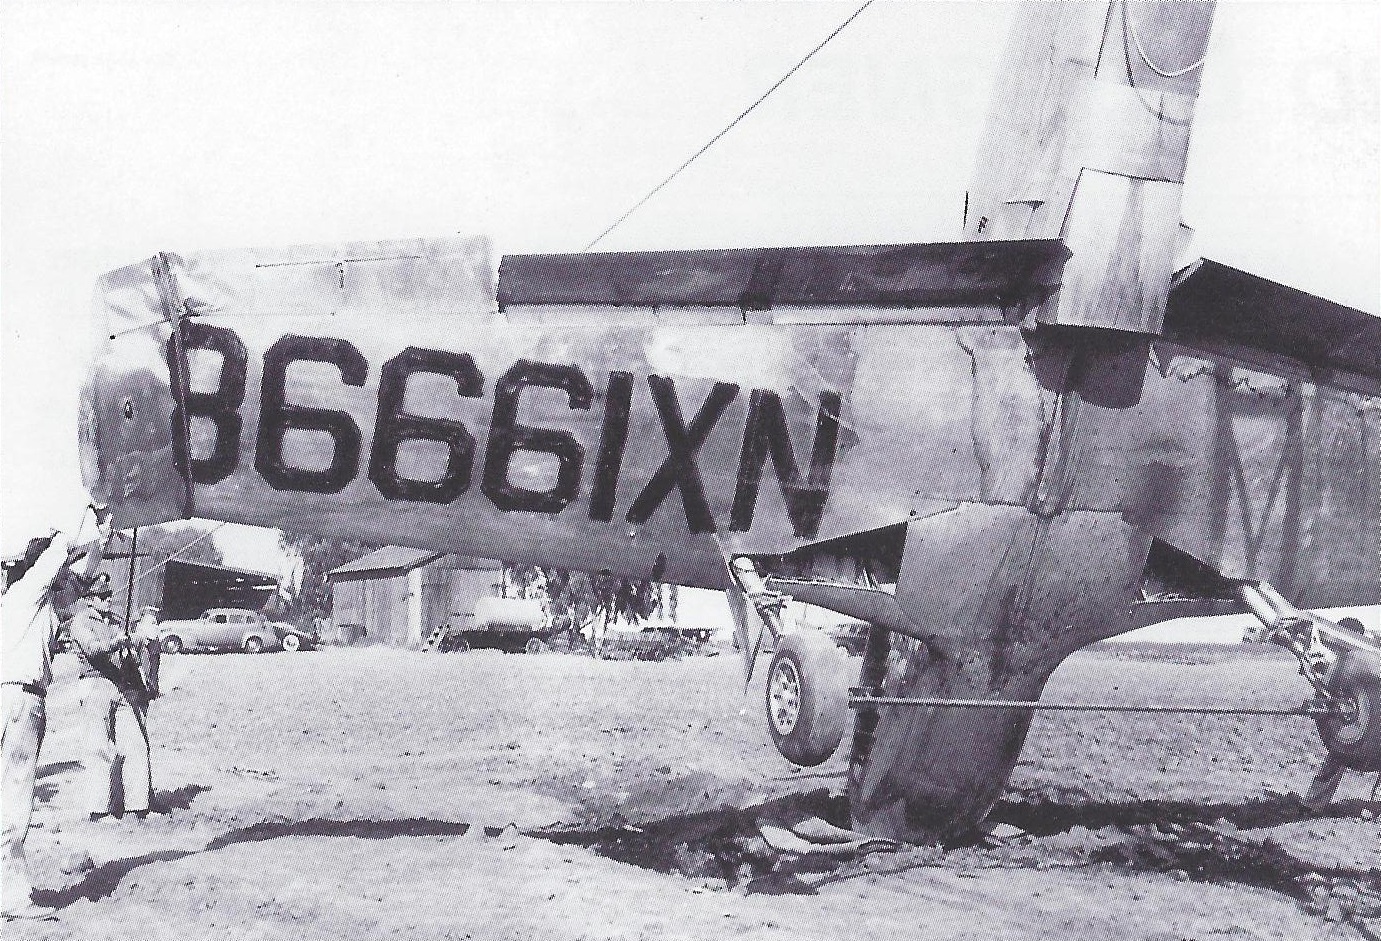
<point x="31" y="611"/>
<point x="150" y="649"/>
<point x="114" y="703"/>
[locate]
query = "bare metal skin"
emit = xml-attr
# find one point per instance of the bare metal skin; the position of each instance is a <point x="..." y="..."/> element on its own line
<point x="985" y="448"/>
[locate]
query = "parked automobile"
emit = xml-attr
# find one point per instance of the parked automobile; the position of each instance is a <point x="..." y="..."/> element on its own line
<point x="292" y="638"/>
<point x="233" y="629"/>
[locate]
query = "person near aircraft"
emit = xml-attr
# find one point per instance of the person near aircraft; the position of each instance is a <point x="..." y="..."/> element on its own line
<point x="114" y="698"/>
<point x="145" y="632"/>
<point x="32" y="609"/>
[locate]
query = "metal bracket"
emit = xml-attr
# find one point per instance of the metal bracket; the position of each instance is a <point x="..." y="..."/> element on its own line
<point x="769" y="604"/>
<point x="179" y="378"/>
<point x="1316" y="642"/>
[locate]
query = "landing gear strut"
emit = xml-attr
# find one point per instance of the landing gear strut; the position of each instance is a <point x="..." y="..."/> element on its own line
<point x="1343" y="667"/>
<point x="807" y="682"/>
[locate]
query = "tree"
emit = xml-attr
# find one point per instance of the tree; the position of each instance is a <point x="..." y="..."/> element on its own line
<point x="318" y="554"/>
<point x="580" y="600"/>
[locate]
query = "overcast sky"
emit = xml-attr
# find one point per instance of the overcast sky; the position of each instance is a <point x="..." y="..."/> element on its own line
<point x="129" y="129"/>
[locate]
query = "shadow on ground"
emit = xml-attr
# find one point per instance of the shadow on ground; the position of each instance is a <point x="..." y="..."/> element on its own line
<point x="1194" y="841"/>
<point x="726" y="845"/>
<point x="103" y="880"/>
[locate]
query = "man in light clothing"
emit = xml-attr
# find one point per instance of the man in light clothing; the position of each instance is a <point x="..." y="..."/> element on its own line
<point x="29" y="620"/>
<point x="114" y="703"/>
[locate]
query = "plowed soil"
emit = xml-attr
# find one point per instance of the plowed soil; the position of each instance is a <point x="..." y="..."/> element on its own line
<point x="362" y="794"/>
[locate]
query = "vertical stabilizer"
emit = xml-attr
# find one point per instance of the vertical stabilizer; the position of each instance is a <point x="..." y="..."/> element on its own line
<point x="1087" y="141"/>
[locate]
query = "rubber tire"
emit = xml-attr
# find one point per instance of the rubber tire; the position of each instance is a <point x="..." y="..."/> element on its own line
<point x="536" y="645"/>
<point x="291" y="643"/>
<point x="821" y="671"/>
<point x="253" y="645"/>
<point x="172" y="644"/>
<point x="1356" y="744"/>
<point x="461" y="646"/>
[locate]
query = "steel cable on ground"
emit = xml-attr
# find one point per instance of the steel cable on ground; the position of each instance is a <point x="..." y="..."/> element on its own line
<point x="869" y="701"/>
<point x="728" y="127"/>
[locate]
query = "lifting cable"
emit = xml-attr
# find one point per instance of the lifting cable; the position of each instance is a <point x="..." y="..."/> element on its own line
<point x="864" y="701"/>
<point x="728" y="127"/>
<point x="210" y="532"/>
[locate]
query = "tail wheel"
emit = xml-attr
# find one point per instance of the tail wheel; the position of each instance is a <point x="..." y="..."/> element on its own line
<point x="807" y="697"/>
<point x="254" y="645"/>
<point x="1353" y="736"/>
<point x="172" y="644"/>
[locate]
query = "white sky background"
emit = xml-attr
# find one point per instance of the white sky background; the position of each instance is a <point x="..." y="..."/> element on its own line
<point x="134" y="128"/>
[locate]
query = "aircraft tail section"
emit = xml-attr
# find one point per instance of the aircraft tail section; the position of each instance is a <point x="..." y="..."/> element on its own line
<point x="639" y="412"/>
<point x="1086" y="141"/>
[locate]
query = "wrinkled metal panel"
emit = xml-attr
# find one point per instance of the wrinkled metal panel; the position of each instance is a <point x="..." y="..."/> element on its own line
<point x="894" y="275"/>
<point x="1261" y="476"/>
<point x="124" y="426"/>
<point x="445" y="277"/>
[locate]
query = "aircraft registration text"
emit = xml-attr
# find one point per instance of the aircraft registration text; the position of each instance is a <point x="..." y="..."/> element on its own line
<point x="805" y="483"/>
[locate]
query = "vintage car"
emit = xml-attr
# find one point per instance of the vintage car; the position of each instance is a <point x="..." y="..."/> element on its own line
<point x="233" y="629"/>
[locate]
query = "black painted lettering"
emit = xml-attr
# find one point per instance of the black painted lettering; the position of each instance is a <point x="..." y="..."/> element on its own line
<point x="612" y="437"/>
<point x="766" y="434"/>
<point x="221" y="407"/>
<point x="506" y="437"/>
<point x="276" y="415"/>
<point x="393" y="426"/>
<point x="679" y="469"/>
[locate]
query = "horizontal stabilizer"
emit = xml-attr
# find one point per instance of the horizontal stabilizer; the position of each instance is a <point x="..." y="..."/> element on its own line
<point x="954" y="273"/>
<point x="1217" y="304"/>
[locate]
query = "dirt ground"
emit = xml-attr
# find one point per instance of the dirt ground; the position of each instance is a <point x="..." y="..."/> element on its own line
<point x="358" y="794"/>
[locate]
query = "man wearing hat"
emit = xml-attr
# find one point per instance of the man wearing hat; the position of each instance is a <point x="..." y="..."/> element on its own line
<point x="42" y="593"/>
<point x="114" y="705"/>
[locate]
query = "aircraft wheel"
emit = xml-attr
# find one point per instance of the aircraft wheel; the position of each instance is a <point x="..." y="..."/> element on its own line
<point x="172" y="644"/>
<point x="807" y="697"/>
<point x="1354" y="738"/>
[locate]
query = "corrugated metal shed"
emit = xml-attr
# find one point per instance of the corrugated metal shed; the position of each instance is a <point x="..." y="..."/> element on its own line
<point x="387" y="562"/>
